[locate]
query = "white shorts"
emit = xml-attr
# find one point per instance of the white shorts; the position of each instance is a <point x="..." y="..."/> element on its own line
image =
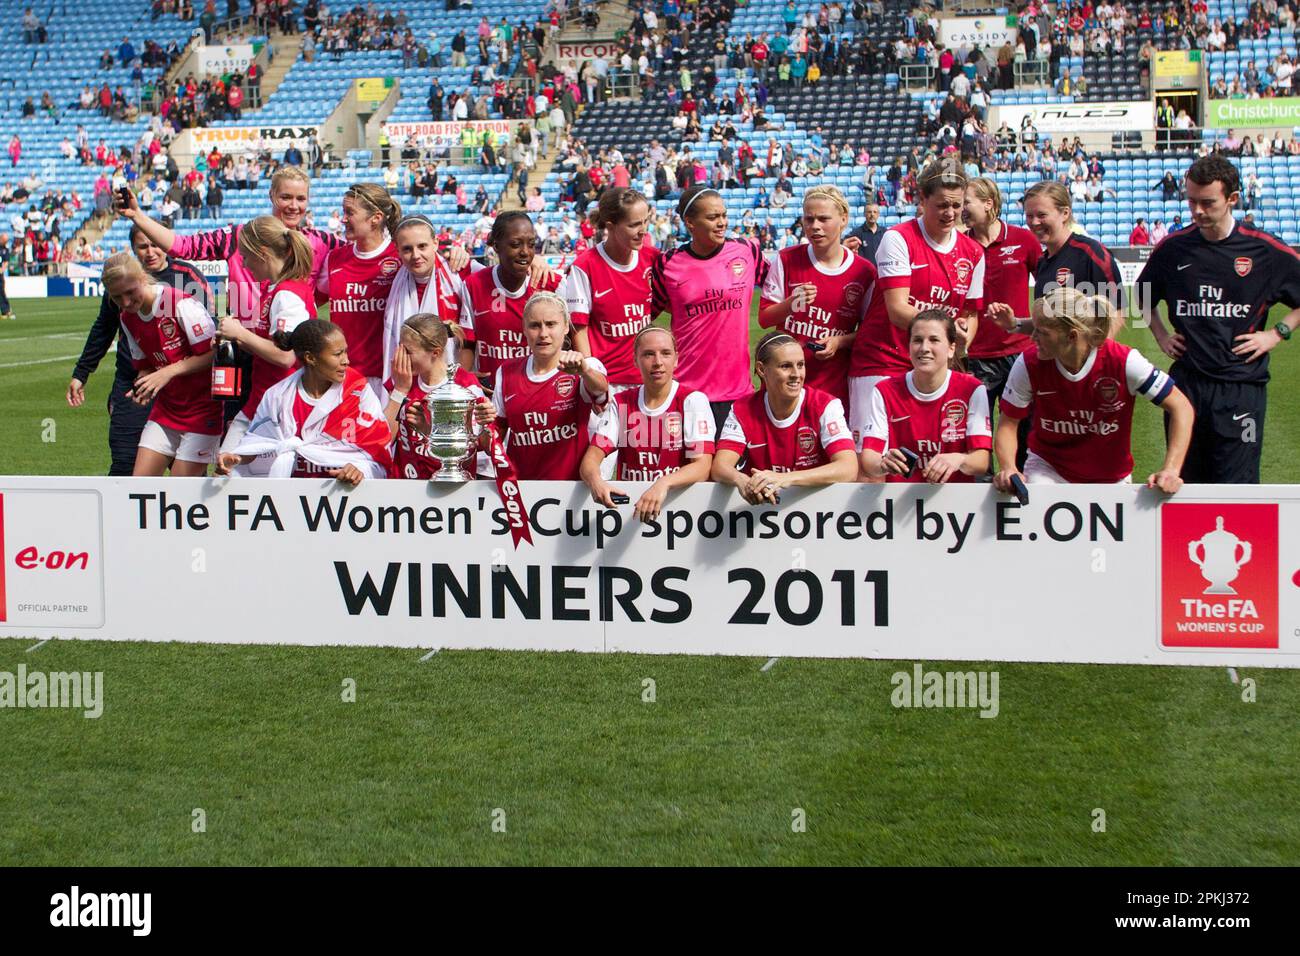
<point x="861" y="388"/>
<point x="1039" y="472"/>
<point x="178" y="445"/>
<point x="235" y="432"/>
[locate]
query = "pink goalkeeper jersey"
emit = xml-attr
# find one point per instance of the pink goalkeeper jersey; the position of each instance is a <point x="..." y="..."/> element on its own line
<point x="243" y="292"/>
<point x="708" y="300"/>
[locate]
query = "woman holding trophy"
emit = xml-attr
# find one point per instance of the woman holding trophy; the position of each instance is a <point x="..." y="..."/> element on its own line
<point x="419" y="366"/>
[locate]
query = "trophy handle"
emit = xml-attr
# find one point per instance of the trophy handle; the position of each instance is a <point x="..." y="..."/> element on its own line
<point x="1191" y="553"/>
<point x="1245" y="553"/>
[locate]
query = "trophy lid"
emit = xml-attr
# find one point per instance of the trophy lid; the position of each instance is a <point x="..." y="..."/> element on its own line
<point x="449" y="392"/>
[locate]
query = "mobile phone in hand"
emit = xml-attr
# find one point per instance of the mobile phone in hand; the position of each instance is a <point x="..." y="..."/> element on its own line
<point x="1019" y="490"/>
<point x="913" y="459"/>
<point x="816" y="347"/>
<point x="618" y="499"/>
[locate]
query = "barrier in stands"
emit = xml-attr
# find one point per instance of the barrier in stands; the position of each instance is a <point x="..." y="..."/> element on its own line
<point x="1251" y="114"/>
<point x="445" y="134"/>
<point x="579" y="50"/>
<point x="1105" y="574"/>
<point x="1073" y="118"/>
<point x="238" y="139"/>
<point x="218" y="60"/>
<point x="988" y="33"/>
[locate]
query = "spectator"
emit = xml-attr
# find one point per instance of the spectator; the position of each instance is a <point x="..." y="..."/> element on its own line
<point x="1168" y="186"/>
<point x="215" y="198"/>
<point x="31" y="26"/>
<point x="1139" y="236"/>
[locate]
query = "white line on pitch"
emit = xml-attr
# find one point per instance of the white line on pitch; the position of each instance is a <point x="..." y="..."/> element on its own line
<point x="1232" y="675"/>
<point x="60" y="358"/>
<point x="769" y="665"/>
<point x="430" y="654"/>
<point x="40" y="645"/>
<point x="32" y="338"/>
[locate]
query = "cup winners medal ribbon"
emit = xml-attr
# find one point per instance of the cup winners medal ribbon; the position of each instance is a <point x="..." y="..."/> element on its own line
<point x="508" y="489"/>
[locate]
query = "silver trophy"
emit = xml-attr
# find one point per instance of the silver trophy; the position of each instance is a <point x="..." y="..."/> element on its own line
<point x="451" y="431"/>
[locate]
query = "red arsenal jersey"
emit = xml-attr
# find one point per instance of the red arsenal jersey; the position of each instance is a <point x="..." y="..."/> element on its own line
<point x="1081" y="422"/>
<point x="546" y="419"/>
<point x="612" y="302"/>
<point x="1009" y="261"/>
<point x="949" y="277"/>
<point x="412" y="459"/>
<point x="177" y="327"/>
<point x="281" y="308"/>
<point x="813" y="432"/>
<point x="652" y="442"/>
<point x="492" y="317"/>
<point x="358" y="285"/>
<point x="953" y="418"/>
<point x="838" y="308"/>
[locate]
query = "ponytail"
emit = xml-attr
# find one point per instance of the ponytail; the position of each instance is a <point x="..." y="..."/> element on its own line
<point x="308" y="338"/>
<point x="376" y="198"/>
<point x="267" y="236"/>
<point x="429" y="329"/>
<point x="1066" y="308"/>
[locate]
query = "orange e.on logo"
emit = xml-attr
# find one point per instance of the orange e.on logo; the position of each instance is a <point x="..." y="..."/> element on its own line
<point x="1219" y="575"/>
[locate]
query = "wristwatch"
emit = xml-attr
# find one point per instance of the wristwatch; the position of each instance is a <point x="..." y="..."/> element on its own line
<point x="1283" y="330"/>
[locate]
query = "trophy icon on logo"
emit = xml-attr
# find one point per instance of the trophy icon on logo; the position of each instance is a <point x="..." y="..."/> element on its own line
<point x="1218" y="558"/>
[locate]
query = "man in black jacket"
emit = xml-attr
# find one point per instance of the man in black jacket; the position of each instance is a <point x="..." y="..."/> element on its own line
<point x="126" y="419"/>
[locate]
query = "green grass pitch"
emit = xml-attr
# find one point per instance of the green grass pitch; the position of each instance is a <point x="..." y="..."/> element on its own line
<point x="564" y="752"/>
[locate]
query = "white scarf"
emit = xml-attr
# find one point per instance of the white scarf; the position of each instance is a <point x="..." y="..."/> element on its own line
<point x="405" y="300"/>
<point x="272" y="435"/>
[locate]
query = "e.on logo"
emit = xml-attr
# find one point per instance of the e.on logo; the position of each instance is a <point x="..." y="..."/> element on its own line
<point x="29" y="558"/>
<point x="51" y="564"/>
<point x="1218" y="575"/>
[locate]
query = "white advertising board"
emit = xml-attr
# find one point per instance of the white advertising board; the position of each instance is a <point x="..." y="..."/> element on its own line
<point x="1102" y="574"/>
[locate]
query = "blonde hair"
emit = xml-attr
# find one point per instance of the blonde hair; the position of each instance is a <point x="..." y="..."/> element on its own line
<point x="289" y="172"/>
<point x="266" y="236"/>
<point x="376" y="198"/>
<point x="538" y="299"/>
<point x="1065" y="309"/>
<point x="831" y="195"/>
<point x="119" y="267"/>
<point x="987" y="190"/>
<point x="432" y="331"/>
<point x="1056" y="193"/>
<point x="547" y="298"/>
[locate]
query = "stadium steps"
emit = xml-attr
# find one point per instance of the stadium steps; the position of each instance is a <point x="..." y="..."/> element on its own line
<point x="287" y="50"/>
<point x="509" y="198"/>
<point x="285" y="47"/>
<point x="615" y="18"/>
